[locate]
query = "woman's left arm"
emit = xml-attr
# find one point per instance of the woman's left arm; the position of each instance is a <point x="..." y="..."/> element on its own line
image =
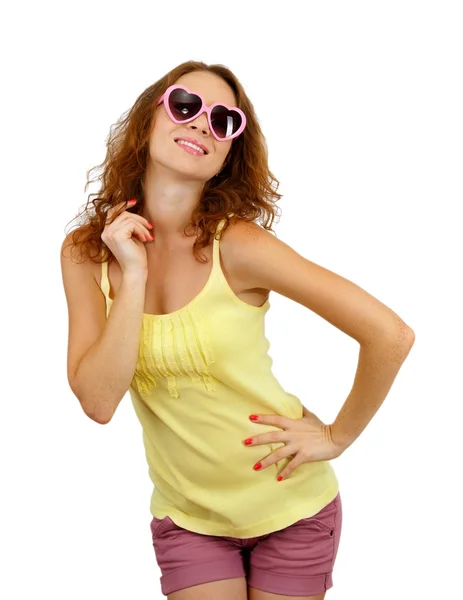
<point x="263" y="261"/>
<point x="379" y="362"/>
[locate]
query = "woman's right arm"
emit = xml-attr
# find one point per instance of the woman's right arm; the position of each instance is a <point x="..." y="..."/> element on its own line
<point x="102" y="353"/>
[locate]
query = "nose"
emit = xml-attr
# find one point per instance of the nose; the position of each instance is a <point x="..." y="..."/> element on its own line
<point x="200" y="123"/>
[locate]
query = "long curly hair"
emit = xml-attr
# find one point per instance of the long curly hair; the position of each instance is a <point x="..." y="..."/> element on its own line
<point x="244" y="189"/>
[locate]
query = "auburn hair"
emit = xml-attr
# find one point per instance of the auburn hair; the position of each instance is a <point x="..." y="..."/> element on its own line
<point x="245" y="188"/>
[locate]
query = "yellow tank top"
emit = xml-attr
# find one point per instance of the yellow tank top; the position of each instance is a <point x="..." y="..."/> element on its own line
<point x="201" y="371"/>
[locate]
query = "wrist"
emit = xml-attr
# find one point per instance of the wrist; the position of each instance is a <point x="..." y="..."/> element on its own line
<point x="139" y="275"/>
<point x="339" y="438"/>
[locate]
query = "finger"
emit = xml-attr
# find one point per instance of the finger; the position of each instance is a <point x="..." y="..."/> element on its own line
<point x="117" y="209"/>
<point x="126" y="216"/>
<point x="139" y="218"/>
<point x="277" y="420"/>
<point x="290" y="468"/>
<point x="268" y="438"/>
<point x="136" y="228"/>
<point x="275" y="457"/>
<point x="114" y="212"/>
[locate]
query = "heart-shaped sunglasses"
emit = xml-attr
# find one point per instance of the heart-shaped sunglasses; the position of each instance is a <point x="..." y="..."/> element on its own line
<point x="183" y="105"/>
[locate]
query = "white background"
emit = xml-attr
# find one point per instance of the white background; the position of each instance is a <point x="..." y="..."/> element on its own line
<point x="361" y="104"/>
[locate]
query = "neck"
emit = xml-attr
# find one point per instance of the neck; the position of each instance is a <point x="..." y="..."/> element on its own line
<point x="169" y="200"/>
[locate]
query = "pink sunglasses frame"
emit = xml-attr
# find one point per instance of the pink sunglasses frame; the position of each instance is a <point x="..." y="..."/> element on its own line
<point x="204" y="108"/>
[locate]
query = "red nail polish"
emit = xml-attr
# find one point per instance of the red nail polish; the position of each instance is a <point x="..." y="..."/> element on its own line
<point x="280" y="478"/>
<point x="248" y="441"/>
<point x="258" y="466"/>
<point x="253" y="417"/>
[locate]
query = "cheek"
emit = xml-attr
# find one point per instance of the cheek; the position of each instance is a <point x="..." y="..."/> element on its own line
<point x="160" y="141"/>
<point x="162" y="130"/>
<point x="223" y="150"/>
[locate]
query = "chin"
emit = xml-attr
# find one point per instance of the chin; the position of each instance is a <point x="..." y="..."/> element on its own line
<point x="192" y="173"/>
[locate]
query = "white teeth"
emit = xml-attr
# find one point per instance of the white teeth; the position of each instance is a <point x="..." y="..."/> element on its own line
<point x="191" y="145"/>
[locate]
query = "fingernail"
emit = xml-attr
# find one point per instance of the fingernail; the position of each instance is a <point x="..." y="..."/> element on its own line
<point x="280" y="478"/>
<point x="248" y="441"/>
<point x="253" y="417"/>
<point x="132" y="201"/>
<point x="258" y="466"/>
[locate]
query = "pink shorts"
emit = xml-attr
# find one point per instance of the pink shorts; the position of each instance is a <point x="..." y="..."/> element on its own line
<point x="295" y="561"/>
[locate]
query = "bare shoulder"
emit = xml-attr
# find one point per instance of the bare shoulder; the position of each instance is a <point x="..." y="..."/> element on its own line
<point x="71" y="259"/>
<point x="264" y="261"/>
<point x="244" y="228"/>
<point x="239" y="243"/>
<point x="241" y="233"/>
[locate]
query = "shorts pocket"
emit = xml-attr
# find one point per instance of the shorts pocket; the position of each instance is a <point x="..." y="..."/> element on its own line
<point x="325" y="519"/>
<point x="320" y="524"/>
<point x="157" y="526"/>
<point x="315" y="538"/>
<point x="330" y="519"/>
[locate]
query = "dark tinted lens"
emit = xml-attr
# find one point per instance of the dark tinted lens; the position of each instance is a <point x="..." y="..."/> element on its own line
<point x="225" y="122"/>
<point x="184" y="105"/>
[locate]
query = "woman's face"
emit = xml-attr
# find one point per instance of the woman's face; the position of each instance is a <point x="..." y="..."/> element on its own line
<point x="165" y="151"/>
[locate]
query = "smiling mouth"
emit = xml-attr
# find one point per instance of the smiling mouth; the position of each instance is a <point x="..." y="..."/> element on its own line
<point x="192" y="145"/>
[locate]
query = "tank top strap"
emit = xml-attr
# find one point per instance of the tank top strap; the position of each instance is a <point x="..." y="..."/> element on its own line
<point x="217" y="237"/>
<point x="104" y="283"/>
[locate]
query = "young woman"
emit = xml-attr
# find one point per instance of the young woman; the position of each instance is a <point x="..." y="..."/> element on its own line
<point x="169" y="303"/>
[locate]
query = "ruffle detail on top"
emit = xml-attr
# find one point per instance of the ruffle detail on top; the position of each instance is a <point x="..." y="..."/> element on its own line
<point x="145" y="372"/>
<point x="173" y="348"/>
